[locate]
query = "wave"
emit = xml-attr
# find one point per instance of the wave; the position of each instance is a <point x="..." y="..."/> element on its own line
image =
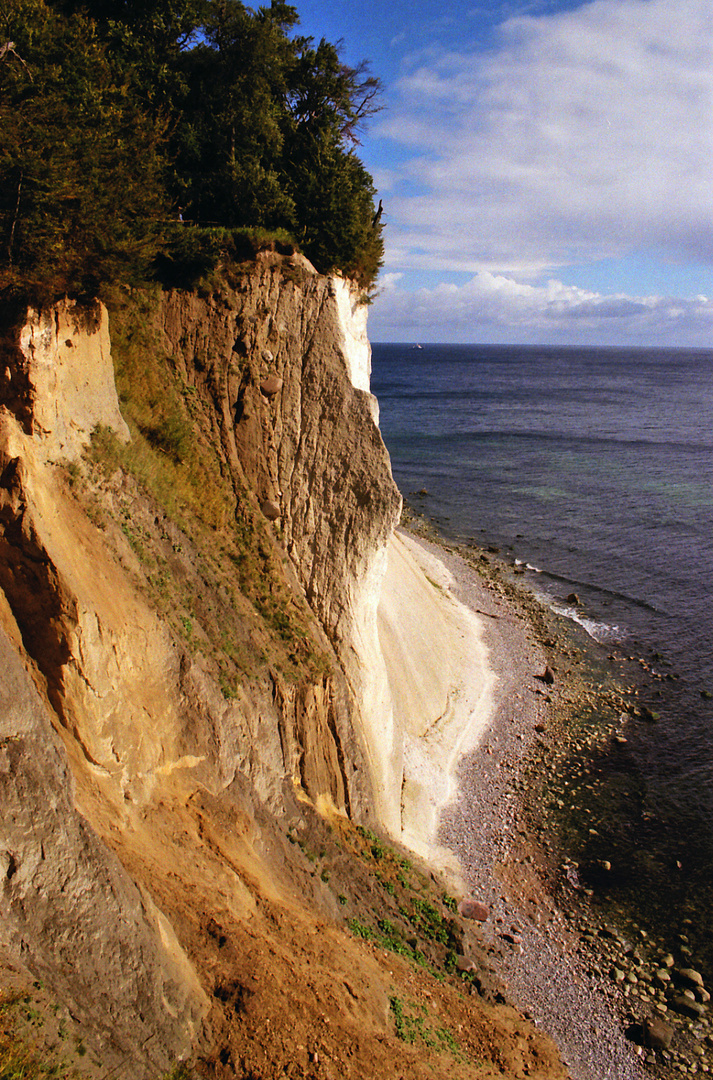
<point x="572" y="584"/>
<point x="601" y="632"/>
<point x="537" y="438"/>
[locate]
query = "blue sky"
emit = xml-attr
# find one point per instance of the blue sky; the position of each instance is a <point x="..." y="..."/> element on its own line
<point x="545" y="167"/>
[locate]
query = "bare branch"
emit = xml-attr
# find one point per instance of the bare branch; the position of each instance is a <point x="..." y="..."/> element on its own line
<point x="8" y="49"/>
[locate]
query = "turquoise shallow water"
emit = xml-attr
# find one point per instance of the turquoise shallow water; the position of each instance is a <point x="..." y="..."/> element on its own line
<point x="594" y="466"/>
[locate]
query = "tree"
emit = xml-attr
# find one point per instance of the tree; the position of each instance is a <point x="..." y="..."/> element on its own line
<point x="116" y="115"/>
<point x="332" y="191"/>
<point x="81" y="198"/>
<point x="328" y="96"/>
<point x="228" y="144"/>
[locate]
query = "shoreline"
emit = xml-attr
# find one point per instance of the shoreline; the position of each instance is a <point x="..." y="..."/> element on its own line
<point x="553" y="956"/>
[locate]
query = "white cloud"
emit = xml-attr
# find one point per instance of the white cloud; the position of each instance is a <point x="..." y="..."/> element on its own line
<point x="388" y="282"/>
<point x="584" y="136"/>
<point x="498" y="307"/>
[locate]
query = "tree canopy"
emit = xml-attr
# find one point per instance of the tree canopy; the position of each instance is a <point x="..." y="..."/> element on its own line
<point x="133" y="131"/>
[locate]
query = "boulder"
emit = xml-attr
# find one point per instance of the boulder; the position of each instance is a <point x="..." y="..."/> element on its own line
<point x="657" y="1033"/>
<point x="271" y="510"/>
<point x="547" y="676"/>
<point x="474" y="909"/>
<point x="687" y="1007"/>
<point x="689" y="976"/>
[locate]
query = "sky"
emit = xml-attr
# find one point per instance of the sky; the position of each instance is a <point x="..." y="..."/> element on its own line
<point x="545" y="167"/>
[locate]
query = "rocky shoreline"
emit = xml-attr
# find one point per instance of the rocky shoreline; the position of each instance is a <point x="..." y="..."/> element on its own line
<point x="621" y="1001"/>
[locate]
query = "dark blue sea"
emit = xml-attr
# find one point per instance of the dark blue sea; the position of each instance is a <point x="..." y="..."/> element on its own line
<point x="594" y="466"/>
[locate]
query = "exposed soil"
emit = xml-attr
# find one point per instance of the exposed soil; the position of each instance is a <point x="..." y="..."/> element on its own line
<point x="364" y="970"/>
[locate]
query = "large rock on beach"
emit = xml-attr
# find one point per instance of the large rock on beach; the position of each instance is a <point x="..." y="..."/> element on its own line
<point x="689" y="976"/>
<point x="657" y="1033"/>
<point x="687" y="1006"/>
<point x="474" y="909"/>
<point x="547" y="676"/>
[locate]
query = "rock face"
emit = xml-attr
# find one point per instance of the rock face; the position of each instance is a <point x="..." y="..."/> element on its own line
<point x="311" y="451"/>
<point x="106" y="717"/>
<point x="193" y="709"/>
<point x="70" y="911"/>
<point x="56" y="376"/>
<point x="310" y="445"/>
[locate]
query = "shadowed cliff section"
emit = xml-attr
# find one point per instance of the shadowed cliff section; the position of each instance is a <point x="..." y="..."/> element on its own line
<point x="185" y="751"/>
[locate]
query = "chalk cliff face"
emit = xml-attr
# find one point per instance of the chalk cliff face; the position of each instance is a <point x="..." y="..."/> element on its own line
<point x="283" y="365"/>
<point x="287" y="364"/>
<point x="210" y="669"/>
<point x="56" y="377"/>
<point x="106" y="715"/>
<point x="85" y="699"/>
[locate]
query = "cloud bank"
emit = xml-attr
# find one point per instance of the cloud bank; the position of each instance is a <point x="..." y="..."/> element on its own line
<point x="584" y="136"/>
<point x="497" y="307"/>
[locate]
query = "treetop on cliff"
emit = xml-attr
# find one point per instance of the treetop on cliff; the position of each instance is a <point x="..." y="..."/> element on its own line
<point x="134" y="133"/>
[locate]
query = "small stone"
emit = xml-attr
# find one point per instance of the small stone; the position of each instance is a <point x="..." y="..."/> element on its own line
<point x="668" y="961"/>
<point x="271" y="385"/>
<point x="270" y="509"/>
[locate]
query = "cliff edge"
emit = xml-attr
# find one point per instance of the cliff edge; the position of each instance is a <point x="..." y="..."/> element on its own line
<point x="219" y="700"/>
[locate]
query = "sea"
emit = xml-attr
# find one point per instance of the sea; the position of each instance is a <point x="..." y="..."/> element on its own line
<point x="591" y="468"/>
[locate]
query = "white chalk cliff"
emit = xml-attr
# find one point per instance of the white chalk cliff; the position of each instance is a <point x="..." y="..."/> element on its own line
<point x="121" y="754"/>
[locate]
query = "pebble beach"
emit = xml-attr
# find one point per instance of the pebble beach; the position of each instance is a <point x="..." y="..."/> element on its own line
<point x="620" y="1001"/>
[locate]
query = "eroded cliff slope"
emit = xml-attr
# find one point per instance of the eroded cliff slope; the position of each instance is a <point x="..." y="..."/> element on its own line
<point x="191" y="697"/>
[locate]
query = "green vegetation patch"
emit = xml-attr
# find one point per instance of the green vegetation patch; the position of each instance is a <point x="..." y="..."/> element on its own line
<point x="23" y="1053"/>
<point x="410" y="1023"/>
